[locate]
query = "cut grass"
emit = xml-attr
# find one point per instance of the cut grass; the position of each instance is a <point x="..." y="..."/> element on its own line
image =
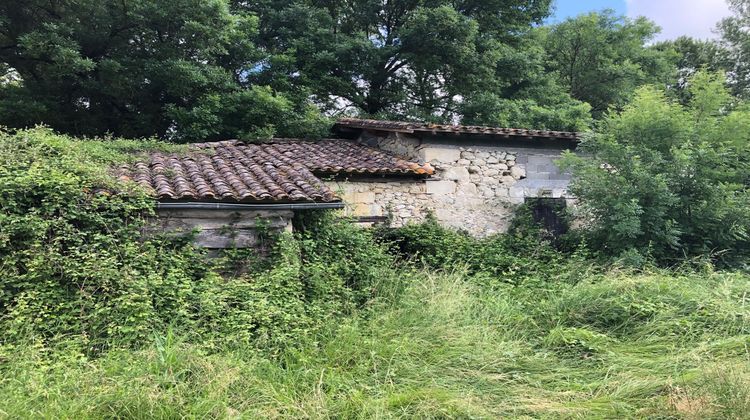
<point x="617" y="346"/>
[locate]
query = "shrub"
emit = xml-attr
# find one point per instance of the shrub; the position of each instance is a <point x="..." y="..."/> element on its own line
<point x="668" y="181"/>
<point x="525" y="253"/>
<point x="75" y="265"/>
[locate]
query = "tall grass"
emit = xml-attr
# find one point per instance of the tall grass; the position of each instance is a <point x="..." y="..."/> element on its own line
<point x="617" y="345"/>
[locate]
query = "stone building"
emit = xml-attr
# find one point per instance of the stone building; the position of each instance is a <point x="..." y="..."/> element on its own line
<point x="481" y="173"/>
<point x="376" y="171"/>
<point x="231" y="193"/>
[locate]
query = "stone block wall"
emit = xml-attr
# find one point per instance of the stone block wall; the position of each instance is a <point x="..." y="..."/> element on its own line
<point x="476" y="187"/>
<point x="402" y="200"/>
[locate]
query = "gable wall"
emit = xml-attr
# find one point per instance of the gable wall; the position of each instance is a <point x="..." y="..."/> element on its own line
<point x="476" y="186"/>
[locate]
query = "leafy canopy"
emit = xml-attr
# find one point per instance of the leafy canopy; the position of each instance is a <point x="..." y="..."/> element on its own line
<point x="669" y="180"/>
<point x="138" y="68"/>
<point x="735" y="41"/>
<point x="601" y="58"/>
<point x="402" y="58"/>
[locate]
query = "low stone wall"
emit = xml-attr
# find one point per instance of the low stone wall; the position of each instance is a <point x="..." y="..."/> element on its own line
<point x="401" y="200"/>
<point x="476" y="187"/>
<point x="222" y="229"/>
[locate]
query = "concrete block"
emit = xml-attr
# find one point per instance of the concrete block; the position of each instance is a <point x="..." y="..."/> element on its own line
<point x="440" y="187"/>
<point x="516" y="192"/>
<point x="538" y="175"/>
<point x="558" y="192"/>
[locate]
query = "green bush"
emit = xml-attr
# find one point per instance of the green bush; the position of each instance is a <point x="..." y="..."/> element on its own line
<point x="525" y="253"/>
<point x="668" y="181"/>
<point x="77" y="268"/>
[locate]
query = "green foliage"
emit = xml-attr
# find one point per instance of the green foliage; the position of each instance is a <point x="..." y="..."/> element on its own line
<point x="526" y="253"/>
<point x="577" y="342"/>
<point x="672" y="305"/>
<point x="194" y="70"/>
<point x="99" y="320"/>
<point x="399" y="58"/>
<point x="529" y="95"/>
<point x="667" y="180"/>
<point x="601" y="58"/>
<point x="77" y="267"/>
<point x="555" y="112"/>
<point x="735" y="43"/>
<point x="692" y="55"/>
<point x="140" y="68"/>
<point x="447" y="348"/>
<point x="222" y="116"/>
<point x="343" y="261"/>
<point x="72" y="263"/>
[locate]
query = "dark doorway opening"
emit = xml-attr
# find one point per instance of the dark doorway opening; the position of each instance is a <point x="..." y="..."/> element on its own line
<point x="549" y="213"/>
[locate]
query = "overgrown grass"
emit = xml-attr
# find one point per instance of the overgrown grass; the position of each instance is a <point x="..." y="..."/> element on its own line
<point x="619" y="345"/>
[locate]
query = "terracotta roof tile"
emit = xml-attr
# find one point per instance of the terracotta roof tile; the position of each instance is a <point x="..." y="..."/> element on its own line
<point x="415" y="127"/>
<point x="333" y="157"/>
<point x="279" y="171"/>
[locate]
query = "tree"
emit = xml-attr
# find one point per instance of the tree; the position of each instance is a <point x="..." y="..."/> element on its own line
<point x="669" y="180"/>
<point x="690" y="56"/>
<point x="601" y="58"/>
<point x="533" y="98"/>
<point x="735" y="39"/>
<point x="135" y="68"/>
<point x="400" y="58"/>
<point x="551" y="109"/>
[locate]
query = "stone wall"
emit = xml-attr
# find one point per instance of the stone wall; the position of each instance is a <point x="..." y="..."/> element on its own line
<point x="221" y="229"/>
<point x="476" y="186"/>
<point x="401" y="200"/>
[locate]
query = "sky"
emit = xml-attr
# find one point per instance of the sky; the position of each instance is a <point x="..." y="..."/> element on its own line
<point x="696" y="18"/>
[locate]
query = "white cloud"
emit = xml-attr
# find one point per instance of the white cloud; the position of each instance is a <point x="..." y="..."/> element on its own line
<point x="696" y="18"/>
